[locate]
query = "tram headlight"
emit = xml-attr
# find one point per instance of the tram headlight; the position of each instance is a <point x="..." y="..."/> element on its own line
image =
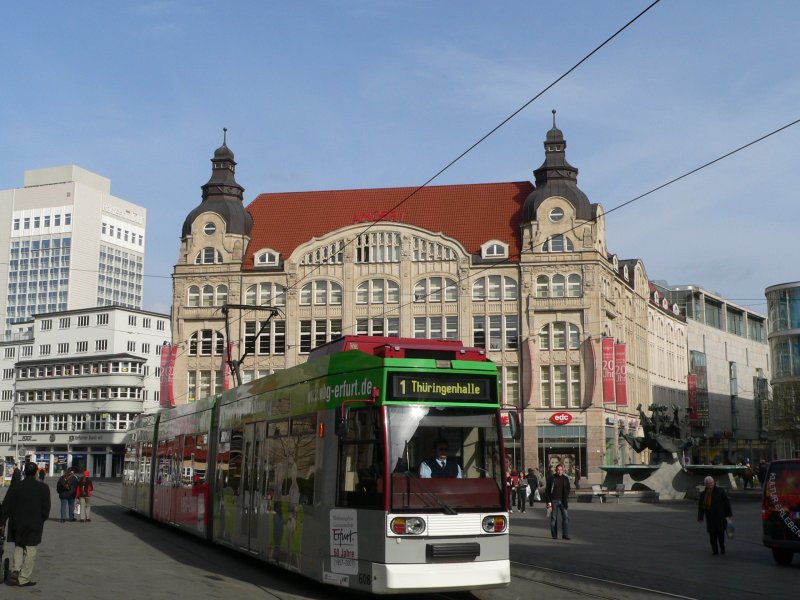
<point x="494" y="524"/>
<point x="408" y="525"/>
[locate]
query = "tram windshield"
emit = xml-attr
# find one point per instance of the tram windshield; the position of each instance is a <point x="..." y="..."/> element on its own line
<point x="444" y="458"/>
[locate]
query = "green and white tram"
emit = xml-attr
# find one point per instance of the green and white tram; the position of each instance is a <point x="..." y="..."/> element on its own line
<point x="377" y="465"/>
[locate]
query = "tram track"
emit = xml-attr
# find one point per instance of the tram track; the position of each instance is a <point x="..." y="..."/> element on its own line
<point x="586" y="585"/>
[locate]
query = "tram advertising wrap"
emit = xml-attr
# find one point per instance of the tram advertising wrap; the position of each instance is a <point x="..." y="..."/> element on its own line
<point x="377" y="465"/>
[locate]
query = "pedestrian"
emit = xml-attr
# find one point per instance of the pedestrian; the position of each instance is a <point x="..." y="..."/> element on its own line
<point x="84" y="495"/>
<point x="42" y="473"/>
<point x="67" y="490"/>
<point x="533" y="485"/>
<point x="762" y="471"/>
<point x="748" y="475"/>
<point x="27" y="505"/>
<point x="715" y="507"/>
<point x="512" y="485"/>
<point x="522" y="492"/>
<point x="577" y="478"/>
<point x="556" y="495"/>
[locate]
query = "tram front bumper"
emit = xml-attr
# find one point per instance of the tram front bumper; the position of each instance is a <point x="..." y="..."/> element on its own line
<point x="427" y="577"/>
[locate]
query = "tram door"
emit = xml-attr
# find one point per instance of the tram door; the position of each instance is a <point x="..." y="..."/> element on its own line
<point x="254" y="435"/>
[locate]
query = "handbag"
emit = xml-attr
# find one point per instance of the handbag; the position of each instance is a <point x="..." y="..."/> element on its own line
<point x="77" y="508"/>
<point x="537" y="496"/>
<point x="730" y="527"/>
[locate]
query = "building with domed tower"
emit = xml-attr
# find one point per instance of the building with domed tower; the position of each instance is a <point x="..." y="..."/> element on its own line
<point x="520" y="269"/>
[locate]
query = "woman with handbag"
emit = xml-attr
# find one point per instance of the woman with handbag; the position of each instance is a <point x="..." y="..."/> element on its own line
<point x="715" y="508"/>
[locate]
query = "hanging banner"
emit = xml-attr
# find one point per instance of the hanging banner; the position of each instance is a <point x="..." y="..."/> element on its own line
<point x="607" y="357"/>
<point x="528" y="352"/>
<point x="620" y="375"/>
<point x="691" y="382"/>
<point x="167" y="395"/>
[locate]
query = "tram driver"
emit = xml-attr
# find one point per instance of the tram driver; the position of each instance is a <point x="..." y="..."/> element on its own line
<point x="439" y="465"/>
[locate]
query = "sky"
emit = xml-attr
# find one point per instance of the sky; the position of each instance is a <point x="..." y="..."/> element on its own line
<point x="384" y="93"/>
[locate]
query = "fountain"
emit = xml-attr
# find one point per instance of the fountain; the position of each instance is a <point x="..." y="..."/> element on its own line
<point x="666" y="436"/>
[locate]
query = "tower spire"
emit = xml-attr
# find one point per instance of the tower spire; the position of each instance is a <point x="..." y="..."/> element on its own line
<point x="225" y="133"/>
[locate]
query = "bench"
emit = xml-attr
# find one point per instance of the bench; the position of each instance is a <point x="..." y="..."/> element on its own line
<point x="597" y="492"/>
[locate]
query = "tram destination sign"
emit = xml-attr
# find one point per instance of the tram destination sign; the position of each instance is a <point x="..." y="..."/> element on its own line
<point x="448" y="387"/>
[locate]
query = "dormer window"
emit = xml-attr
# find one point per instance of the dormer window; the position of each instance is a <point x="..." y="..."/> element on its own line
<point x="556" y="214"/>
<point x="557" y="243"/>
<point x="655" y="297"/>
<point x="625" y="273"/>
<point x="494" y="249"/>
<point x="209" y="228"/>
<point x="266" y="258"/>
<point x="676" y="309"/>
<point x="208" y="256"/>
<point x="615" y="262"/>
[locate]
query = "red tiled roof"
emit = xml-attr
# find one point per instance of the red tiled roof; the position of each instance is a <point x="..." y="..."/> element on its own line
<point x="471" y="214"/>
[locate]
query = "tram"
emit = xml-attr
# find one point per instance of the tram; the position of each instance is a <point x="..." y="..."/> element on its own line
<point x="320" y="468"/>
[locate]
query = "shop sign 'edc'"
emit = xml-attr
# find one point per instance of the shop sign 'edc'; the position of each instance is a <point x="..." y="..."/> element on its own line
<point x="560" y="418"/>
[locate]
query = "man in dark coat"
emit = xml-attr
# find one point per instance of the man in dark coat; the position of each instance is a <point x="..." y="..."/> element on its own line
<point x="715" y="507"/>
<point x="27" y="504"/>
<point x="557" y="496"/>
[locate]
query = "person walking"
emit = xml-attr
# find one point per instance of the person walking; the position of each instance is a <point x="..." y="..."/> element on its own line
<point x="715" y="507"/>
<point x="522" y="491"/>
<point x="66" y="488"/>
<point x="533" y="483"/>
<point x="27" y="505"/>
<point x="84" y="495"/>
<point x="557" y="495"/>
<point x="762" y="472"/>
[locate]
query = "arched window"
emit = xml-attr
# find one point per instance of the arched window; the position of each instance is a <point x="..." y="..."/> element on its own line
<point x="542" y="286"/>
<point x="208" y="295"/>
<point x="495" y="287"/>
<point x="208" y="256"/>
<point x="266" y="294"/>
<point x="206" y="342"/>
<point x="320" y="293"/>
<point x="557" y="243"/>
<point x="266" y="258"/>
<point x="378" y="291"/>
<point x="193" y="296"/>
<point x="559" y="335"/>
<point x="222" y="295"/>
<point x="574" y="286"/>
<point x="436" y="289"/>
<point x="557" y="286"/>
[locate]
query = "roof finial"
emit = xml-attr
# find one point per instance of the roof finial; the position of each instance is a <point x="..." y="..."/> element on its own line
<point x="554" y="118"/>
<point x="225" y="133"/>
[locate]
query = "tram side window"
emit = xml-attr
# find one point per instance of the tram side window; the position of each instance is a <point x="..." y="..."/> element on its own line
<point x="360" y="480"/>
<point x="223" y="458"/>
<point x="235" y="460"/>
<point x="129" y="476"/>
<point x="304" y="451"/>
<point x="200" y="462"/>
<point x="162" y="470"/>
<point x="145" y="461"/>
<point x="278" y="457"/>
<point x="187" y="463"/>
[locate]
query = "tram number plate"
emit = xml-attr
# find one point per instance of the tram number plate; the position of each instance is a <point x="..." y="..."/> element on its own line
<point x="364" y="579"/>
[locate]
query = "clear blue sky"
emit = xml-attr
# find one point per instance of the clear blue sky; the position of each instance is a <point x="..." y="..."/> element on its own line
<point x="375" y="93"/>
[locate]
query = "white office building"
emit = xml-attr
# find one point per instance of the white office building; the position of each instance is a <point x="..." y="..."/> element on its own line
<point x="67" y="244"/>
<point x="72" y="381"/>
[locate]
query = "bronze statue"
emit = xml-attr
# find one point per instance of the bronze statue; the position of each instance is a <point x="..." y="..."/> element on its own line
<point x="664" y="437"/>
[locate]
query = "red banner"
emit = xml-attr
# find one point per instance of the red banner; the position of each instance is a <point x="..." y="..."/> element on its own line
<point x="607" y="356"/>
<point x="620" y="375"/>
<point x="168" y="355"/>
<point x="691" y="382"/>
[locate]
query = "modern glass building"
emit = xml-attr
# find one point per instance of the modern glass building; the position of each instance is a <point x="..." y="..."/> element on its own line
<point x="69" y="244"/>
